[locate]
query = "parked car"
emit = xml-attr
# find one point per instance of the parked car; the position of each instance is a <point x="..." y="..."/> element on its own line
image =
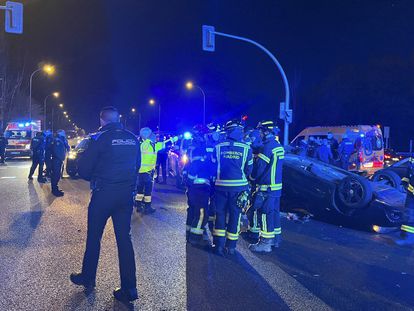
<point x="327" y="191"/>
<point x="74" y="155"/>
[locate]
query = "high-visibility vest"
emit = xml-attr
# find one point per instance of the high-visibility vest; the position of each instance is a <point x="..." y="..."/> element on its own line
<point x="149" y="152"/>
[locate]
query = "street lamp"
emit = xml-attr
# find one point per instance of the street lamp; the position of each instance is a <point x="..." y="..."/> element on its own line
<point x="55" y="95"/>
<point x="152" y="103"/>
<point x="133" y="111"/>
<point x="49" y="70"/>
<point x="64" y="112"/>
<point x="190" y="85"/>
<point x="61" y="105"/>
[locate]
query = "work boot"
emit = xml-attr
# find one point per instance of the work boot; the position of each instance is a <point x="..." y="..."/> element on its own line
<point x="406" y="240"/>
<point x="139" y="205"/>
<point x="251" y="237"/>
<point x="197" y="240"/>
<point x="126" y="295"/>
<point x="218" y="250"/>
<point x="231" y="251"/>
<point x="148" y="209"/>
<point x="41" y="180"/>
<point x="30" y="177"/>
<point x="276" y="241"/>
<point x="263" y="246"/>
<point x="57" y="192"/>
<point x="79" y="279"/>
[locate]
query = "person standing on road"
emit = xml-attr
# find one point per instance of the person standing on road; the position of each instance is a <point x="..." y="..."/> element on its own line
<point x="234" y="162"/>
<point x="3" y="145"/>
<point x="37" y="146"/>
<point x="407" y="229"/>
<point x="324" y="153"/>
<point x="48" y="152"/>
<point x="267" y="175"/>
<point x="345" y="150"/>
<point x="162" y="157"/>
<point x="333" y="144"/>
<point x="59" y="147"/>
<point x="110" y="164"/>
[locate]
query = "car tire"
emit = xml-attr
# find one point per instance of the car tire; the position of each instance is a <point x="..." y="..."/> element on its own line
<point x="391" y="178"/>
<point x="353" y="192"/>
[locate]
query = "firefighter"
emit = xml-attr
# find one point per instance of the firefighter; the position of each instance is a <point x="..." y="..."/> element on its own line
<point x="199" y="175"/>
<point x="3" y="145"/>
<point x="345" y="150"/>
<point x="267" y="176"/>
<point x="59" y="147"/>
<point x="234" y="162"/>
<point x="407" y="229"/>
<point x="149" y="149"/>
<point x="37" y="146"/>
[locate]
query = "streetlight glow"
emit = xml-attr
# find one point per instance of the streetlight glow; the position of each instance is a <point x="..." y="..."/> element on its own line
<point x="64" y="112"/>
<point x="152" y="101"/>
<point x="66" y="116"/>
<point x="133" y="110"/>
<point x="61" y="105"/>
<point x="48" y="69"/>
<point x="56" y="94"/>
<point x="189" y="85"/>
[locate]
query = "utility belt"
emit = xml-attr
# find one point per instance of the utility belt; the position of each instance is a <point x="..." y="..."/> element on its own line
<point x="267" y="188"/>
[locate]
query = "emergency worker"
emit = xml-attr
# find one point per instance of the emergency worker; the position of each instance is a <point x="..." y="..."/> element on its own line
<point x="312" y="147"/>
<point x="59" y="147"/>
<point x="148" y="149"/>
<point x="345" y="150"/>
<point x="333" y="144"/>
<point x="162" y="157"/>
<point x="303" y="148"/>
<point x="267" y="176"/>
<point x="3" y="145"/>
<point x="199" y="175"/>
<point x="48" y="152"/>
<point x="234" y="163"/>
<point x="110" y="164"/>
<point x="37" y="146"/>
<point x="324" y="153"/>
<point x="407" y="229"/>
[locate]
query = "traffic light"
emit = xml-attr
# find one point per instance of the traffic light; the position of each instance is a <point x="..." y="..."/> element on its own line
<point x="208" y="38"/>
<point x="14" y="17"/>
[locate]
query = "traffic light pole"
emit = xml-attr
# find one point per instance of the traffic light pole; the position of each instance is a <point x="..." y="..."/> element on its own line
<point x="287" y="117"/>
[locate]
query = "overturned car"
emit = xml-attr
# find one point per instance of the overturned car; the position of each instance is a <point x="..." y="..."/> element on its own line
<point x="335" y="195"/>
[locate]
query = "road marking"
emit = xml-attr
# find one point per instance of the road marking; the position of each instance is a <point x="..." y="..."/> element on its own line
<point x="294" y="294"/>
<point x="8" y="177"/>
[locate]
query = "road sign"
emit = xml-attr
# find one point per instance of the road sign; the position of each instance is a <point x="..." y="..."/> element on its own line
<point x="208" y="38"/>
<point x="14" y="17"/>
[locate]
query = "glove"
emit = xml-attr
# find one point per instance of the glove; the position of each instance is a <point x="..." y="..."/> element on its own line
<point x="243" y="199"/>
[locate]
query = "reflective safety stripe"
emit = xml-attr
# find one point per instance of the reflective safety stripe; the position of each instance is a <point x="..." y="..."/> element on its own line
<point x="263" y="157"/>
<point x="407" y="228"/>
<point x="240" y="145"/>
<point x="211" y="218"/>
<point x="219" y="232"/>
<point x="147" y="199"/>
<point x="267" y="235"/>
<point x="238" y="224"/>
<point x="273" y="187"/>
<point x="231" y="183"/>
<point x="232" y="236"/>
<point x="278" y="150"/>
<point x="218" y="161"/>
<point x="250" y="162"/>
<point x="196" y="231"/>
<point x="209" y="149"/>
<point x="255" y="228"/>
<point x="410" y="188"/>
<point x="223" y="144"/>
<point x="201" y="181"/>
<point x="139" y="197"/>
<point x="405" y="179"/>
<point x="278" y="230"/>
<point x="264" y="223"/>
<point x="200" y="221"/>
<point x="191" y="176"/>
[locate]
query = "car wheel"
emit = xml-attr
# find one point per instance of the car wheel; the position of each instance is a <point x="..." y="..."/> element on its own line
<point x="389" y="177"/>
<point x="354" y="192"/>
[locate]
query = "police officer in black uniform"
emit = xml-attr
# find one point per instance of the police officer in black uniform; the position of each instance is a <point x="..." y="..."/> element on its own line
<point x="3" y="145"/>
<point x="38" y="149"/>
<point x="59" y="147"/>
<point x="110" y="163"/>
<point x="48" y="152"/>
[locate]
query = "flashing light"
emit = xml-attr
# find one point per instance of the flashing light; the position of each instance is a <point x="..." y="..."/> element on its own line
<point x="362" y="135"/>
<point x="184" y="159"/>
<point x="368" y="164"/>
<point x="27" y="124"/>
<point x="244" y="118"/>
<point x="187" y="135"/>
<point x="20" y="125"/>
<point x="376" y="228"/>
<point x="27" y="147"/>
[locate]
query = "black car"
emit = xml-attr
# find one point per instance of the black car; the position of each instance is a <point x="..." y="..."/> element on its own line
<point x="338" y="196"/>
<point x="393" y="174"/>
<point x="74" y="155"/>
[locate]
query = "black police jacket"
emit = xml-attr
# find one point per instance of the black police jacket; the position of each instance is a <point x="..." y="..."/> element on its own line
<point x="3" y="143"/>
<point x="59" y="147"/>
<point x="112" y="158"/>
<point x="37" y="145"/>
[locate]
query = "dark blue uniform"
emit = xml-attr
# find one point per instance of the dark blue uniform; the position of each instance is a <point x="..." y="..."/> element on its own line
<point x="59" y="146"/>
<point x="3" y="145"/>
<point x="267" y="176"/>
<point x="111" y="163"/>
<point x="234" y="162"/>
<point x="48" y="154"/>
<point x="324" y="154"/>
<point x="345" y="150"/>
<point x="37" y="146"/>
<point x="199" y="173"/>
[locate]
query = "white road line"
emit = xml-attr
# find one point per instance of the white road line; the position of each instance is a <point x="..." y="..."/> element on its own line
<point x="8" y="177"/>
<point x="294" y="294"/>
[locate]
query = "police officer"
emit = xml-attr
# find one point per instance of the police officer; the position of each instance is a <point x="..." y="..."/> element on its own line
<point x="407" y="230"/>
<point x="162" y="157"/>
<point x="48" y="152"/>
<point x="3" y="145"/>
<point x="345" y="150"/>
<point x="333" y="144"/>
<point x="37" y="146"/>
<point x="110" y="164"/>
<point x="59" y="147"/>
<point x="199" y="175"/>
<point x="234" y="163"/>
<point x="267" y="176"/>
<point x="324" y="153"/>
<point x="303" y="148"/>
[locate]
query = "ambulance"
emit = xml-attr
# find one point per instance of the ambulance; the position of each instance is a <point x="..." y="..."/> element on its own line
<point x="19" y="135"/>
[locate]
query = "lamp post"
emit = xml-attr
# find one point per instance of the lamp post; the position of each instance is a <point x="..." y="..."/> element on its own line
<point x="49" y="70"/>
<point x="190" y="85"/>
<point x="152" y="103"/>
<point x="55" y="95"/>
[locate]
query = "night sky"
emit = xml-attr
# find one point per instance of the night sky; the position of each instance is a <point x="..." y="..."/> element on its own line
<point x="348" y="62"/>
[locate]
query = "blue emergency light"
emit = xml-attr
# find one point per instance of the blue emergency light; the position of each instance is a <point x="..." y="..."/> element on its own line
<point x="187" y="135"/>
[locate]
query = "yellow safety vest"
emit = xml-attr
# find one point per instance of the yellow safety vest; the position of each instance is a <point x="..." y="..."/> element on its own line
<point x="149" y="152"/>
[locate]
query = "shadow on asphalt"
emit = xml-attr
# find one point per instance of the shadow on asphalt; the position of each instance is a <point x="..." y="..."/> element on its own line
<point x="216" y="283"/>
<point x="169" y="191"/>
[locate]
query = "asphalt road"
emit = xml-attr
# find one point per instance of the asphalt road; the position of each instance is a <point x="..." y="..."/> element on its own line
<point x="318" y="266"/>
